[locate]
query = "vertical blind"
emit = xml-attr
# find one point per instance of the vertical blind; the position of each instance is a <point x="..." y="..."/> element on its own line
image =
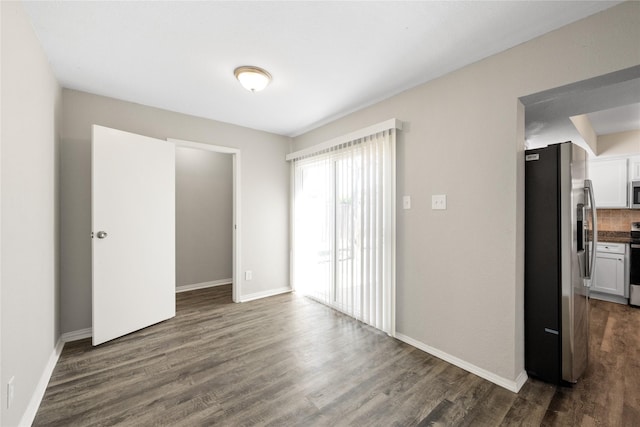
<point x="344" y="228"/>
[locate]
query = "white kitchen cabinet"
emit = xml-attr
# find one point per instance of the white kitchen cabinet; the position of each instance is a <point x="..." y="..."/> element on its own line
<point x="610" y="180"/>
<point x="634" y="168"/>
<point x="610" y="275"/>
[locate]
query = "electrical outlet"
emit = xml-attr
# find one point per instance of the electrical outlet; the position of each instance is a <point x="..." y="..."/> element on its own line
<point x="10" y="392"/>
<point x="248" y="275"/>
<point x="439" y="202"/>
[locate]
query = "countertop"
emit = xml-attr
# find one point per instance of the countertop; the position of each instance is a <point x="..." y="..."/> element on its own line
<point x="614" y="236"/>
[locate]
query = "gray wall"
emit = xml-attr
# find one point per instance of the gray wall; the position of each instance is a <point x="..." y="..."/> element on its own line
<point x="460" y="271"/>
<point x="204" y="221"/>
<point x="29" y="286"/>
<point x="264" y="186"/>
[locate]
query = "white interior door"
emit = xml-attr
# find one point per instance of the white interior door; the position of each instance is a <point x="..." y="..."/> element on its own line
<point x="133" y="224"/>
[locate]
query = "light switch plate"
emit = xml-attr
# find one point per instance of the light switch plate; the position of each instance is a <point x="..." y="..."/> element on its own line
<point x="439" y="202"/>
<point x="406" y="202"/>
<point x="248" y="275"/>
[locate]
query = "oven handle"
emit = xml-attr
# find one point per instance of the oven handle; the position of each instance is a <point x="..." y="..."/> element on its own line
<point x="635" y="246"/>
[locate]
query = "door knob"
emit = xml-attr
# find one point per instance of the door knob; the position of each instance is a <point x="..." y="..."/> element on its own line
<point x="102" y="234"/>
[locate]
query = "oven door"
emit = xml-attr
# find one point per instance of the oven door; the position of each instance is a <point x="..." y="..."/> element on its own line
<point x="634" y="270"/>
<point x="634" y="275"/>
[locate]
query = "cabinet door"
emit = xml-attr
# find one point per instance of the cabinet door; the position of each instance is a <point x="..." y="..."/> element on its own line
<point x="634" y="168"/>
<point x="609" y="274"/>
<point x="609" y="179"/>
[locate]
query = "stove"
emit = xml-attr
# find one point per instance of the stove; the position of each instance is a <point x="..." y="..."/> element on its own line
<point x="635" y="232"/>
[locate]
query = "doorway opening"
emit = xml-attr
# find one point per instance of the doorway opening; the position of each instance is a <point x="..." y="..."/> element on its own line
<point x="188" y="278"/>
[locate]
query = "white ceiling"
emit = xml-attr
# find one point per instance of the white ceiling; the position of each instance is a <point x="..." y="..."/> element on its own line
<point x="610" y="102"/>
<point x="619" y="119"/>
<point x="327" y="58"/>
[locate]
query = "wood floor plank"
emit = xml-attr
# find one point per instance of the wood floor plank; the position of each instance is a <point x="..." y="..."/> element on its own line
<point x="289" y="361"/>
<point x="521" y="413"/>
<point x="494" y="407"/>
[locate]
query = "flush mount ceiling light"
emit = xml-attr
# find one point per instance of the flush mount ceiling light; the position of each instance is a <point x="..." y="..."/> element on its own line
<point x="252" y="78"/>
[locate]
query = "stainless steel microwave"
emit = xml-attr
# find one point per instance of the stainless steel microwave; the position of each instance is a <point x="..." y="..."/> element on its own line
<point x="635" y="194"/>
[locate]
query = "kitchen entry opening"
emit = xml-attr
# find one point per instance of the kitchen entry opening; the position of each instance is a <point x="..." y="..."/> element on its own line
<point x="344" y="227"/>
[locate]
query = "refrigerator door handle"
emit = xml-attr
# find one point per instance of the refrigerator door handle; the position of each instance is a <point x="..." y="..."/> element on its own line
<point x="588" y="187"/>
<point x="582" y="241"/>
<point x="581" y="264"/>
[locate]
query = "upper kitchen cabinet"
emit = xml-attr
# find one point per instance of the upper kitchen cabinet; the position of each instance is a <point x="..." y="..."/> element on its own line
<point x="609" y="179"/>
<point x="634" y="168"/>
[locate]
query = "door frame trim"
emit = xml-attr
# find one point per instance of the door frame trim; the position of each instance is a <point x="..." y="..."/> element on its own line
<point x="236" y="215"/>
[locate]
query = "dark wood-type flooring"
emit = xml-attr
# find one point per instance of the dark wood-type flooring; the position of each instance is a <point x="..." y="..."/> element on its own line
<point x="286" y="360"/>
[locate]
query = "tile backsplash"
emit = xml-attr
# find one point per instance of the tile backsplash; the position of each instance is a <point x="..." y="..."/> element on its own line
<point x="617" y="219"/>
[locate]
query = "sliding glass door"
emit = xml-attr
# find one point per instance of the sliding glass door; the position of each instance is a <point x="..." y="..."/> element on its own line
<point x="343" y="228"/>
<point x="314" y="229"/>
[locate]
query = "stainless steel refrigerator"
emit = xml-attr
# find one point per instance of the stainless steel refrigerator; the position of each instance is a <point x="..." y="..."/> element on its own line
<point x="560" y="232"/>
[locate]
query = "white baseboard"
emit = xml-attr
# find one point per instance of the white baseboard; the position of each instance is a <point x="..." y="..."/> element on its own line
<point x="77" y="335"/>
<point x="194" y="286"/>
<point x="264" y="294"/>
<point x="520" y="380"/>
<point x="609" y="298"/>
<point x="36" y="398"/>
<point x="511" y="385"/>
